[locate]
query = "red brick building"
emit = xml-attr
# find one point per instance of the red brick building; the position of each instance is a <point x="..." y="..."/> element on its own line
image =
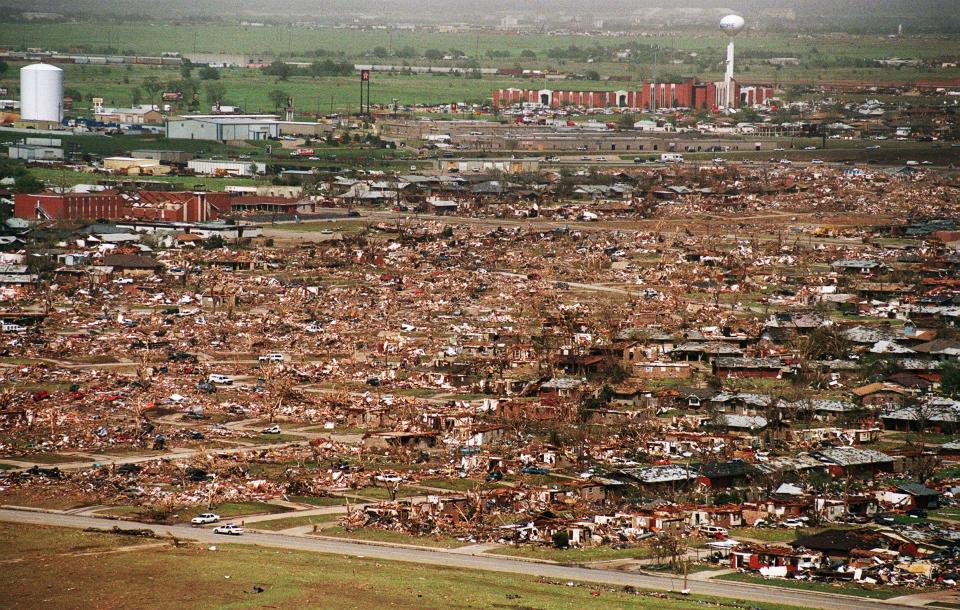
<point x="112" y="205"/>
<point x="72" y="206"/>
<point x="690" y="94"/>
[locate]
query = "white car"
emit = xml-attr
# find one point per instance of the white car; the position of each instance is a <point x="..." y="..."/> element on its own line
<point x="274" y="429"/>
<point x="217" y="378"/>
<point x="389" y="478"/>
<point x="230" y="529"/>
<point x="271" y="358"/>
<point x="314" y="328"/>
<point x="205" y="518"/>
<point x="816" y="162"/>
<point x="793" y="523"/>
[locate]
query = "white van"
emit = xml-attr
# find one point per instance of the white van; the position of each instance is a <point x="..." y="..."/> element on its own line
<point x="271" y="358"/>
<point x="216" y="378"/>
<point x="713" y="531"/>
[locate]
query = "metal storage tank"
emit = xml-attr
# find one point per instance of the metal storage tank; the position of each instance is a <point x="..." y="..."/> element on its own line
<point x="41" y="93"/>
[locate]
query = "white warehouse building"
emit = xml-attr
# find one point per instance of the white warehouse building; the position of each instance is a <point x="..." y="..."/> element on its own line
<point x="224" y="128"/>
<point x="231" y="168"/>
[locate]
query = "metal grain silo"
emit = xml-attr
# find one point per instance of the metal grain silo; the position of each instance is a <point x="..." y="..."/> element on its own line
<point x="41" y="93"/>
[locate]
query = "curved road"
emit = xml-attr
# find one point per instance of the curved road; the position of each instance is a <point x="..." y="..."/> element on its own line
<point x="756" y="593"/>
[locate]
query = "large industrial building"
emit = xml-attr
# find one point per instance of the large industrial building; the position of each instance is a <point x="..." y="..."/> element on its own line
<point x="649" y="96"/>
<point x="221" y="128"/>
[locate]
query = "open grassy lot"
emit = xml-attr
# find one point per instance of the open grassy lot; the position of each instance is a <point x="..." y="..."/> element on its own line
<point x="236" y="576"/>
<point x="382" y="493"/>
<point x="27" y="542"/>
<point x="226" y="510"/>
<point x="367" y="533"/>
<point x="288" y="522"/>
<point x="839" y="588"/>
<point x="23" y="497"/>
<point x="600" y="553"/>
<point x="319" y="500"/>
<point x="779" y="534"/>
<point x="67" y="178"/>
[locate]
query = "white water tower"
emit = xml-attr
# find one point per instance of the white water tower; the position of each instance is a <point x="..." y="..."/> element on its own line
<point x="731" y="25"/>
<point x="41" y="93"/>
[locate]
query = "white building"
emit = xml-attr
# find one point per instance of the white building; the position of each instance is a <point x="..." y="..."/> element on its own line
<point x="230" y="168"/>
<point x="224" y="128"/>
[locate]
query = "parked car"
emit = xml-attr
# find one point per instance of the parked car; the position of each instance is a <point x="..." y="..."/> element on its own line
<point x="217" y="378"/>
<point x="230" y="529"/>
<point x="793" y="522"/>
<point x="205" y="518"/>
<point x="534" y="470"/>
<point x="271" y="358"/>
<point x="713" y="531"/>
<point x="389" y="477"/>
<point x="274" y="429"/>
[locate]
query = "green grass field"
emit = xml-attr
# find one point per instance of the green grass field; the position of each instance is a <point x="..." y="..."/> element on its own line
<point x="839" y="588"/>
<point x="369" y="533"/>
<point x="829" y="55"/>
<point x="288" y="522"/>
<point x="573" y="555"/>
<point x="45" y="570"/>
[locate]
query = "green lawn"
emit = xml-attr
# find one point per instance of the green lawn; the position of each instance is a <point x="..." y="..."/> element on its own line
<point x="319" y="500"/>
<point x="840" y="588"/>
<point x="382" y="493"/>
<point x="457" y="484"/>
<point x="368" y="533"/>
<point x="780" y="534"/>
<point x="193" y="577"/>
<point x="235" y="509"/>
<point x="282" y="524"/>
<point x="598" y="553"/>
<point x="226" y="510"/>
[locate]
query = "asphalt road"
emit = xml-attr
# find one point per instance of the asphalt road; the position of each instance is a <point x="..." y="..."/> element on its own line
<point x="740" y="591"/>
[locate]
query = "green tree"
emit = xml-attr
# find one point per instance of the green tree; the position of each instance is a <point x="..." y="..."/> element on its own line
<point x="208" y="73"/>
<point x="4" y="66"/>
<point x="591" y="75"/>
<point x="278" y="97"/>
<point x="215" y="92"/>
<point x="214" y="242"/>
<point x="27" y="183"/>
<point x="136" y="96"/>
<point x="185" y="70"/>
<point x="561" y="539"/>
<point x="950" y="378"/>
<point x="279" y="69"/>
<point x="152" y="86"/>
